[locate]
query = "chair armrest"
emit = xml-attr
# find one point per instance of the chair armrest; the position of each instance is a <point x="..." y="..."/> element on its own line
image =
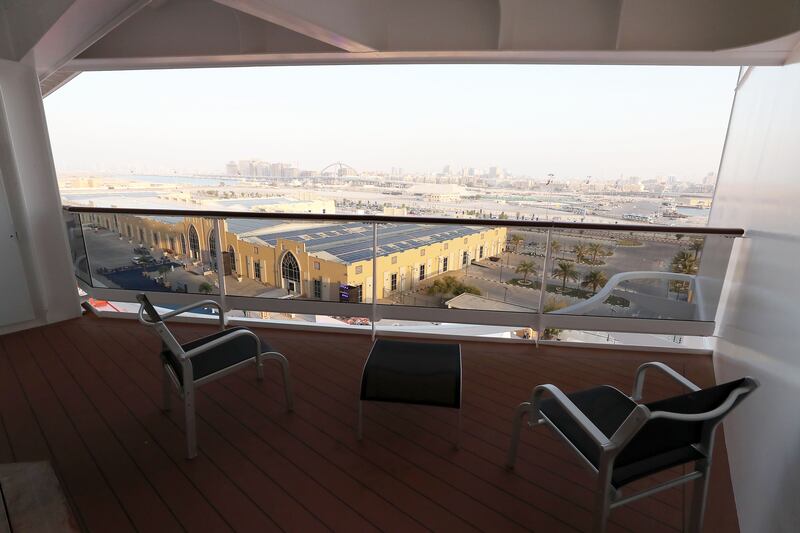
<point x="223" y="340"/>
<point x="572" y="410"/>
<point x="203" y="303"/>
<point x="638" y="382"/>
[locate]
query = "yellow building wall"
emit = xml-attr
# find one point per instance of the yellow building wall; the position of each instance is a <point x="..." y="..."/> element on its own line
<point x="406" y="264"/>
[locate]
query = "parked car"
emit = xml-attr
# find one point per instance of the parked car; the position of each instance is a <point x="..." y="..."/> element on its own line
<point x="143" y="260"/>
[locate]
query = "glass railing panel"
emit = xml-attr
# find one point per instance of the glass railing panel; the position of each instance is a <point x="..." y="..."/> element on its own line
<point x="442" y="271"/>
<point x="460" y="266"/>
<point x="77" y="247"/>
<point x="151" y="253"/>
<point x="653" y="275"/>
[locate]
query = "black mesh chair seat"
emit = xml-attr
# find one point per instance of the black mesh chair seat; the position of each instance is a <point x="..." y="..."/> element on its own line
<point x="659" y="445"/>
<point x="413" y="372"/>
<point x="230" y="353"/>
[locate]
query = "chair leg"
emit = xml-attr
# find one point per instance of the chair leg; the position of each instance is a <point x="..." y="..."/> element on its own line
<point x="360" y="426"/>
<point x="287" y="382"/>
<point x="259" y="368"/>
<point x="166" y="392"/>
<point x="519" y="414"/>
<point x="602" y="499"/>
<point x="191" y="430"/>
<point x="457" y="443"/>
<point x="699" y="496"/>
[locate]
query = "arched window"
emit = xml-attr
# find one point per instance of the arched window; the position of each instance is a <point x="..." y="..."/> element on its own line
<point x="290" y="272"/>
<point x="232" y="255"/>
<point x="194" y="243"/>
<point x="212" y="248"/>
<point x="183" y="244"/>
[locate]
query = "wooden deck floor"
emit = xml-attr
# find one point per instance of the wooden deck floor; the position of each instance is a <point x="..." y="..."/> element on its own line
<point x="85" y="395"/>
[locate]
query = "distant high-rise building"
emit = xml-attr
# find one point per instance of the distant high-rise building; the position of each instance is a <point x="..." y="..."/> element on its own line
<point x="247" y="167"/>
<point x="232" y="169"/>
<point x="262" y="169"/>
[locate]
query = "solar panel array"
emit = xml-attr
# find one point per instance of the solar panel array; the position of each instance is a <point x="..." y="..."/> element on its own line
<point x="352" y="241"/>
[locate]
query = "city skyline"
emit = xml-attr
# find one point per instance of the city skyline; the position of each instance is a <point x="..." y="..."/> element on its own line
<point x="571" y="121"/>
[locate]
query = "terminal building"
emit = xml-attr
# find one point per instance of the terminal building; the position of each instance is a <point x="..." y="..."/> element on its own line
<point x="323" y="261"/>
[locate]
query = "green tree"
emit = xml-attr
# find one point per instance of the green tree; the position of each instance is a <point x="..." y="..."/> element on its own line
<point x="552" y="304"/>
<point x="678" y="236"/>
<point x="515" y="240"/>
<point x="594" y="279"/>
<point x="526" y="268"/>
<point x="205" y="288"/>
<point x="684" y="263"/>
<point x="565" y="270"/>
<point x="555" y="247"/>
<point x="697" y="247"/>
<point x="595" y="249"/>
<point x="581" y="251"/>
<point x="449" y="285"/>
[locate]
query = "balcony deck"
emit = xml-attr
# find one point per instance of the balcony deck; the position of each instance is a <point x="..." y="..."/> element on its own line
<point x="85" y="395"/>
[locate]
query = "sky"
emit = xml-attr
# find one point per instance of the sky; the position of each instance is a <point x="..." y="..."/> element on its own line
<point x="533" y="120"/>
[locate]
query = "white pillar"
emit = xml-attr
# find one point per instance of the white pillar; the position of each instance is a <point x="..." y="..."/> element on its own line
<point x="29" y="179"/>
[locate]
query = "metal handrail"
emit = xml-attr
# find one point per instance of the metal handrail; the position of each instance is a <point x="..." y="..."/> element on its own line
<point x="201" y="213"/>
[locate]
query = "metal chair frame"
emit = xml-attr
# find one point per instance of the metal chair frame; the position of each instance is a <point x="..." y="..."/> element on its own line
<point x="607" y="496"/>
<point x="186" y="390"/>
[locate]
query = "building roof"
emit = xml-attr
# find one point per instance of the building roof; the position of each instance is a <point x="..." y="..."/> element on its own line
<point x="352" y="241"/>
<point x="473" y="301"/>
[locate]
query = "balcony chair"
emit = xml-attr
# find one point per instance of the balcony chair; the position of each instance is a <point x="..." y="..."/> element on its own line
<point x="623" y="440"/>
<point x="189" y="365"/>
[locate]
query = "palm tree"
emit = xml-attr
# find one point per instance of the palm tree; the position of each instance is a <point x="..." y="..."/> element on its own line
<point x="595" y="249"/>
<point x="565" y="270"/>
<point x="515" y="240"/>
<point x="594" y="279"/>
<point x="684" y="263"/>
<point x="580" y="252"/>
<point x="696" y="246"/>
<point x="525" y="268"/>
<point x="555" y="247"/>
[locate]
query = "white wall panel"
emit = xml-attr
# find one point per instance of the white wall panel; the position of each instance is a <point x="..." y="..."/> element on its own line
<point x="759" y="319"/>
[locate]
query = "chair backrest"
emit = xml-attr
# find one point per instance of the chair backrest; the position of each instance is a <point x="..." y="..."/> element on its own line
<point x="662" y="435"/>
<point x="167" y="338"/>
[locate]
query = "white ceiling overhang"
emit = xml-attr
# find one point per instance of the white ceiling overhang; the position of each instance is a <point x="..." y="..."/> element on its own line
<point x="78" y="35"/>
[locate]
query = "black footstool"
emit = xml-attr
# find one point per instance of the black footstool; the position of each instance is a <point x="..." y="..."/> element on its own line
<point x="412" y="372"/>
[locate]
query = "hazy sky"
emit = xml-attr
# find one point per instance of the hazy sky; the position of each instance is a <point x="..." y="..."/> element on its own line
<point x="568" y="120"/>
